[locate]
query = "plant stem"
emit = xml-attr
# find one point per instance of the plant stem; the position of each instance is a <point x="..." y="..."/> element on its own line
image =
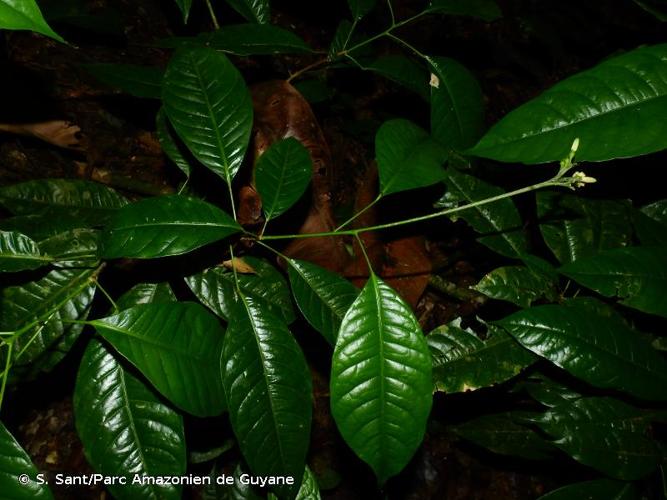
<point x="5" y="373"/>
<point x="231" y="197"/>
<point x="214" y="19"/>
<point x="106" y="294"/>
<point x="378" y="198"/>
<point x="363" y="251"/>
<point x="391" y="12"/>
<point x="305" y="69"/>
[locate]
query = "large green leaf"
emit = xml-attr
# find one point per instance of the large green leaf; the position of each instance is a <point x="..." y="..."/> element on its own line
<point x="484" y="9"/>
<point x="91" y="202"/>
<point x="616" y="109"/>
<point x="235" y="490"/>
<point x="146" y="293"/>
<point x="601" y="350"/>
<point x="597" y="489"/>
<point x="463" y="362"/>
<point x="14" y="463"/>
<point x="499" y="222"/>
<point x="216" y="288"/>
<point x="184" y="5"/>
<point x="517" y="284"/>
<point x="125" y="428"/>
<point x="636" y="275"/>
<point x="651" y="223"/>
<point x="407" y="157"/>
<point x="309" y="489"/>
<point x="322" y="296"/>
<point x="209" y="106"/>
<point x="381" y="385"/>
<point x="404" y="71"/>
<point x="169" y="143"/>
<point x="360" y="8"/>
<point x="40" y="313"/>
<point x="603" y="433"/>
<point x="176" y="347"/>
<point x="74" y="248"/>
<point x="258" y="11"/>
<point x="163" y="226"/>
<point x="575" y="227"/>
<point x="139" y="81"/>
<point x="282" y="175"/>
<point x="457" y="105"/>
<point x="41" y="226"/>
<point x="19" y="253"/>
<point x="24" y="15"/>
<point x="269" y="395"/>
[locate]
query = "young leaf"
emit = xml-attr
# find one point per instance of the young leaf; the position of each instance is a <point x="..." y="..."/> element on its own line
<point x="176" y="347"/>
<point x="403" y="71"/>
<point x="169" y="143"/>
<point x="407" y="157"/>
<point x="516" y="284"/>
<point x="597" y="488"/>
<point x="360" y="8"/>
<point x="463" y="362"/>
<point x="457" y="105"/>
<point x="257" y="11"/>
<point x="163" y="226"/>
<point x="184" y="5"/>
<point x="125" y="428"/>
<point x="615" y="109"/>
<point x="25" y="15"/>
<point x="602" y="350"/>
<point x="486" y="10"/>
<point x="322" y="296"/>
<point x="15" y="462"/>
<point x="19" y="253"/>
<point x="209" y="106"/>
<point x="381" y="385"/>
<point x="282" y="175"/>
<point x="138" y="81"/>
<point x="636" y="275"/>
<point x="269" y="393"/>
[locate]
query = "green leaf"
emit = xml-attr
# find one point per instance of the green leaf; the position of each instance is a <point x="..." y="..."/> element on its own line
<point x="605" y="434"/>
<point x="322" y="296"/>
<point x="309" y="488"/>
<point x="598" y="489"/>
<point x="636" y="275"/>
<point x="42" y="311"/>
<point x="499" y="222"/>
<point x="381" y="383"/>
<point x="360" y="8"/>
<point x="163" y="226"/>
<point x="657" y="8"/>
<point x="237" y="490"/>
<point x="486" y="10"/>
<point x="341" y="39"/>
<point x="209" y="107"/>
<point x="282" y="174"/>
<point x="138" y="81"/>
<point x="457" y="105"/>
<point x="615" y="109"/>
<point x="40" y="226"/>
<point x="407" y="157"/>
<point x="184" y="5"/>
<point x="651" y="224"/>
<point x="501" y="434"/>
<point x="125" y="428"/>
<point x="169" y="143"/>
<point x="145" y="293"/>
<point x="516" y="284"/>
<point x="574" y="227"/>
<point x="24" y="15"/>
<point x="269" y="392"/>
<point x="14" y="462"/>
<point x="176" y="347"/>
<point x="463" y="362"/>
<point x="257" y="11"/>
<point x="74" y="248"/>
<point x="547" y="392"/>
<point x="215" y="287"/>
<point x="602" y="350"/>
<point x="657" y="211"/>
<point x="91" y="202"/>
<point x="403" y="71"/>
<point x="19" y="253"/>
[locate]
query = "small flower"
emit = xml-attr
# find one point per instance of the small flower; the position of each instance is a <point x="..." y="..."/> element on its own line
<point x="435" y="81"/>
<point x="580" y="179"/>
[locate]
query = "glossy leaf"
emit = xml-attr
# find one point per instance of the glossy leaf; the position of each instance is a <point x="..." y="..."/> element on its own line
<point x="322" y="296"/>
<point x="41" y="226"/>
<point x="257" y="11"/>
<point x="25" y="15"/>
<point x="651" y="224"/>
<point x="457" y="105"/>
<point x="169" y="143"/>
<point x="407" y="157"/>
<point x="238" y="490"/>
<point x="184" y="5"/>
<point x="359" y="8"/>
<point x="602" y="350"/>
<point x="209" y="106"/>
<point x="636" y="275"/>
<point x="574" y="227"/>
<point x="269" y="394"/>
<point x="603" y="433"/>
<point x="282" y="175"/>
<point x="381" y="382"/>
<point x="146" y="293"/>
<point x="138" y="81"/>
<point x="547" y="392"/>
<point x="499" y="222"/>
<point x="176" y="347"/>
<point x="615" y="109"/>
<point x="76" y="248"/>
<point x="403" y="71"/>
<point x="597" y="489"/>
<point x="215" y="287"/>
<point x="163" y="226"/>
<point x="42" y="311"/>
<point x="516" y="284"/>
<point x="18" y="253"/>
<point x="484" y="9"/>
<point x="14" y="461"/>
<point x="657" y="211"/>
<point x="463" y="362"/>
<point x="309" y="489"/>
<point x="125" y="428"/>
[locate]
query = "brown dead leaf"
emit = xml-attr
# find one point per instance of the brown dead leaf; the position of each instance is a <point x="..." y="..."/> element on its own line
<point x="57" y="132"/>
<point x="408" y="268"/>
<point x="240" y="265"/>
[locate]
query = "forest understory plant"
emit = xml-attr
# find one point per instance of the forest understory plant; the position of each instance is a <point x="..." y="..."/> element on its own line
<point x="583" y="341"/>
